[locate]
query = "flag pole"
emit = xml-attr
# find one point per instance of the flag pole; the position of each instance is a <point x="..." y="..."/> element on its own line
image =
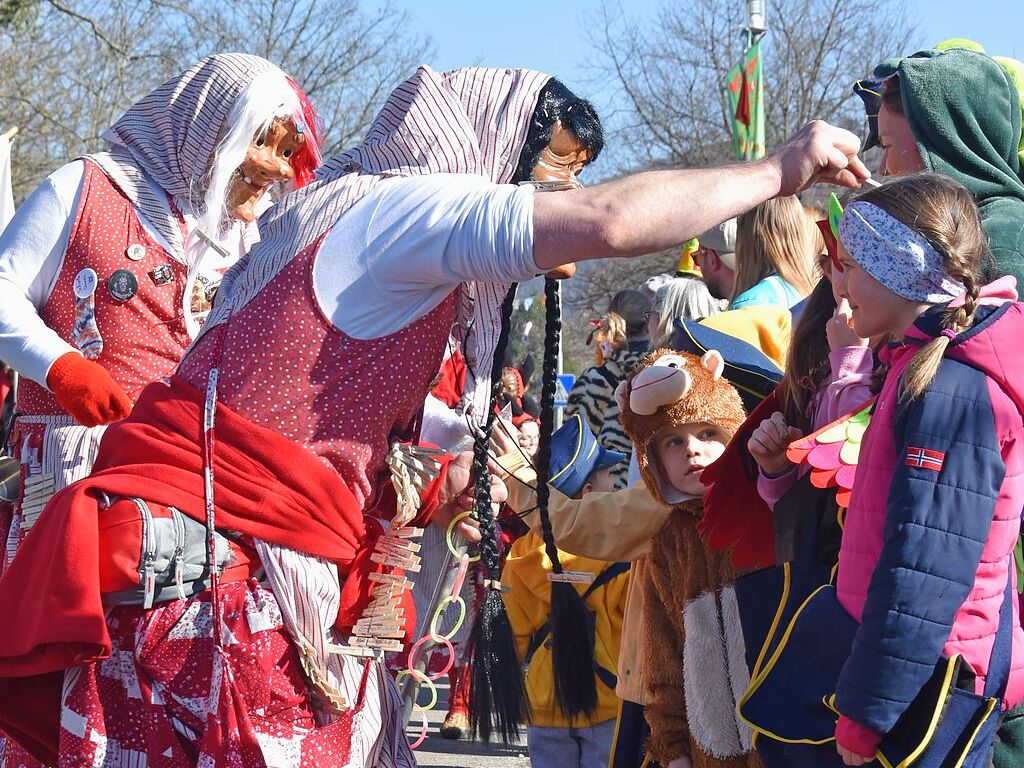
<point x="755" y="21"/>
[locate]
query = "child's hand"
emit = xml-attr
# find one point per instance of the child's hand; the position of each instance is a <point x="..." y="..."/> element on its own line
<point x="839" y="330"/>
<point x="852" y="758"/>
<point x="680" y="762"/>
<point x="768" y="444"/>
<point x="504" y="438"/>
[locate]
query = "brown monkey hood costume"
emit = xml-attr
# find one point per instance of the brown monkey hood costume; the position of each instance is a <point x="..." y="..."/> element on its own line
<point x="692" y="643"/>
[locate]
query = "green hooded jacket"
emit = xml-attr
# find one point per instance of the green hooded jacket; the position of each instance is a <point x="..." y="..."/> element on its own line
<point x="966" y="116"/>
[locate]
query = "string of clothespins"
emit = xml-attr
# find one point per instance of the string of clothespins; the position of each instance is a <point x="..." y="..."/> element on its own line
<point x="382" y="624"/>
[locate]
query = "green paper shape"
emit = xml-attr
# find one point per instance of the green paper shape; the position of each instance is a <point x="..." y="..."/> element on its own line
<point x="835" y="213"/>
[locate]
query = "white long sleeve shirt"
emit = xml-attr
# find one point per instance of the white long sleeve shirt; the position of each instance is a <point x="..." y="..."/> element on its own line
<point x="32" y="250"/>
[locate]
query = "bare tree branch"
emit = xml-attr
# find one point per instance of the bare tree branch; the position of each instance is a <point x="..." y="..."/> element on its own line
<point x="672" y="108"/>
<point x="72" y="66"/>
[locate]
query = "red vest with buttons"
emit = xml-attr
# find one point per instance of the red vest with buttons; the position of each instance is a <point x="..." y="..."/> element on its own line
<point x="143" y="337"/>
<point x="285" y="366"/>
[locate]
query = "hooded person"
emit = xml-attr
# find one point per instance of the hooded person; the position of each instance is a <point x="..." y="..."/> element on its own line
<point x="110" y="265"/>
<point x="956" y="111"/>
<point x="275" y="433"/>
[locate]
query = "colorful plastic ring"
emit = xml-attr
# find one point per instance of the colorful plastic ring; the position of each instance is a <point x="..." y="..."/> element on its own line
<point x="435" y="620"/>
<point x="423" y="680"/>
<point x="451" y="529"/>
<point x="418" y="647"/>
<point x="423" y="733"/>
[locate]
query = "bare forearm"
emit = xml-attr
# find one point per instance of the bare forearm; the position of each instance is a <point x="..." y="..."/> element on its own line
<point x="650" y="211"/>
<point x="645" y="212"/>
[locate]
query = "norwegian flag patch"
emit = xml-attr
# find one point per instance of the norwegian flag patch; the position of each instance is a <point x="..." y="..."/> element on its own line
<point x="924" y="458"/>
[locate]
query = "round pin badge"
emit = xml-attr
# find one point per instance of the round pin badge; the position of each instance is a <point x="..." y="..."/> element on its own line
<point x="136" y="252"/>
<point x="122" y="285"/>
<point x="85" y="283"/>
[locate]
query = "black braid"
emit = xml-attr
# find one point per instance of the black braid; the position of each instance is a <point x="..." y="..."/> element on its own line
<point x="497" y="695"/>
<point x="571" y="622"/>
<point x="542" y="461"/>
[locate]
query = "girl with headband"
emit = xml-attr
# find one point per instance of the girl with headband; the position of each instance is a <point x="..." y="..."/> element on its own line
<point x="926" y="561"/>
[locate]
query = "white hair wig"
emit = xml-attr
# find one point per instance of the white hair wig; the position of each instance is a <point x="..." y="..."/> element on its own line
<point x="269" y="96"/>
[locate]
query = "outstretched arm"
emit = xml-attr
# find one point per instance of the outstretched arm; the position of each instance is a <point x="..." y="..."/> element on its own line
<point x="647" y="212"/>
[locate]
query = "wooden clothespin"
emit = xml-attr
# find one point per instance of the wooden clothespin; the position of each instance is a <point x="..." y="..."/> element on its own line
<point x="11" y="132"/>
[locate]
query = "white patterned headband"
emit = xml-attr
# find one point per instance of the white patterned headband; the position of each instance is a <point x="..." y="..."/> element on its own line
<point x="895" y="255"/>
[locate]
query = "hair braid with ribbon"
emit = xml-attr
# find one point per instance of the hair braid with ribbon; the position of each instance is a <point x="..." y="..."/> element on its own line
<point x="571" y="622"/>
<point x="497" y="696"/>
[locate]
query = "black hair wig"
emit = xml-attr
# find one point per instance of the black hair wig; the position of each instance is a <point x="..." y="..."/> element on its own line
<point x="557" y="104"/>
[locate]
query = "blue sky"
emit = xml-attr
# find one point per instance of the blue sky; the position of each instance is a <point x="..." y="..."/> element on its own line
<point x="507" y="33"/>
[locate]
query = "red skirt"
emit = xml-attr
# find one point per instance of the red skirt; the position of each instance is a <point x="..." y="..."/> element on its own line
<point x="166" y="698"/>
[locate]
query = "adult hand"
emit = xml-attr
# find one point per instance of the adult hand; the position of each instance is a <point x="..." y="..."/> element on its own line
<point x="819" y="152"/>
<point x="768" y="444"/>
<point x="839" y="328"/>
<point x="87" y="391"/>
<point x="852" y="758"/>
<point x="457" y="496"/>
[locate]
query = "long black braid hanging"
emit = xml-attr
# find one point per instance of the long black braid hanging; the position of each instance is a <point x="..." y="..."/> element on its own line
<point x="497" y="698"/>
<point x="497" y="694"/>
<point x="571" y="622"/>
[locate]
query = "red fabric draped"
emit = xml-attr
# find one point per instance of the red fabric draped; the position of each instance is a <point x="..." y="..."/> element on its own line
<point x="264" y="486"/>
<point x="735" y="515"/>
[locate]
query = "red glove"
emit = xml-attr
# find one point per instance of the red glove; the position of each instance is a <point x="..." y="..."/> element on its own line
<point x="87" y="391"/>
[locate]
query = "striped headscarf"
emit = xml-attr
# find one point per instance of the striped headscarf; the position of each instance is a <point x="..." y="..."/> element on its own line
<point x="471" y="121"/>
<point x="171" y="135"/>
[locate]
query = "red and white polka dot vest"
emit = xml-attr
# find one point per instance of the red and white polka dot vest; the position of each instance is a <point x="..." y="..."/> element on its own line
<point x="144" y="337"/>
<point x="285" y="366"/>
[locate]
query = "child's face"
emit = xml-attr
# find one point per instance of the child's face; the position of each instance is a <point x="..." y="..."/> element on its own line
<point x="529" y="437"/>
<point x="875" y="309"/>
<point x="683" y="452"/>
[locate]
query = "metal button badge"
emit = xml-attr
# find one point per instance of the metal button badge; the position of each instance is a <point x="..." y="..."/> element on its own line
<point x="136" y="252"/>
<point x="122" y="285"/>
<point x="162" y="275"/>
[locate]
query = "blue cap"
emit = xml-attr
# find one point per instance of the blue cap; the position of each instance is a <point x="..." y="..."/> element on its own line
<point x="751" y="371"/>
<point x="576" y="454"/>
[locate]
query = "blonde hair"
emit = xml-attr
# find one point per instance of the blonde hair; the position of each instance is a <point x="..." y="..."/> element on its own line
<point x="944" y="212"/>
<point x="775" y="238"/>
<point x="613" y="330"/>
<point x="681" y="297"/>
<point x="815" y="214"/>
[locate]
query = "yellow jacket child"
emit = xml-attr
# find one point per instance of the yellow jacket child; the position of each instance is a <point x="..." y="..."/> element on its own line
<point x="578" y="465"/>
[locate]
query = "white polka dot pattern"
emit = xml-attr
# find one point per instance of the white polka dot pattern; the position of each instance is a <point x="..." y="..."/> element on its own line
<point x="144" y="337"/>
<point x="286" y="367"/>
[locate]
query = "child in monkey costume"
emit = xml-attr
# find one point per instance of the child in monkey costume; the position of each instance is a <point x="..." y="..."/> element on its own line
<point x="680" y="413"/>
